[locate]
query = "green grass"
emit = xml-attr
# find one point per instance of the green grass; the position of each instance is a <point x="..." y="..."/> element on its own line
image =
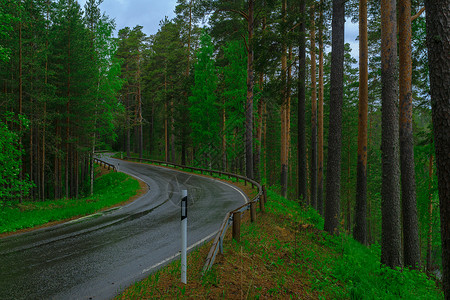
<point x="110" y="189"/>
<point x="354" y="267"/>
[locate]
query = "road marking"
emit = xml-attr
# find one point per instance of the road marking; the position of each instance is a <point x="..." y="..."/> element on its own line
<point x="233" y="187"/>
<point x="178" y="254"/>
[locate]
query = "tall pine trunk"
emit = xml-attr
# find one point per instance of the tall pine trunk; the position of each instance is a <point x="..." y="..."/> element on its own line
<point x="249" y="105"/>
<point x="320" y="117"/>
<point x="332" y="205"/>
<point x="360" y="230"/>
<point x="284" y="111"/>
<point x="438" y="32"/>
<point x="313" y="110"/>
<point x="411" y="247"/>
<point x="20" y="101"/>
<point x="301" y="143"/>
<point x="390" y="191"/>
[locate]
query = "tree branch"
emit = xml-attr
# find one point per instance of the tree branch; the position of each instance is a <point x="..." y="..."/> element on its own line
<point x="418" y="14"/>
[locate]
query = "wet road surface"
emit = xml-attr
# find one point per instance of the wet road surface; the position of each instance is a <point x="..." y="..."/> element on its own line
<point x="97" y="257"/>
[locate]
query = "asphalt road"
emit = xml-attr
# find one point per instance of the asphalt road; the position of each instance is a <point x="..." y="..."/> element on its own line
<point x="97" y="257"/>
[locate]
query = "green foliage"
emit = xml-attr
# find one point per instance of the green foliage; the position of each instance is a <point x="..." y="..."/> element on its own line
<point x="6" y="21"/>
<point x="203" y="107"/>
<point x="110" y="189"/>
<point x="11" y="153"/>
<point x="234" y="97"/>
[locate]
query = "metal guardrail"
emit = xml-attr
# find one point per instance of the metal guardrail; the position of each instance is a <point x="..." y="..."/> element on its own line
<point x="230" y="216"/>
<point x="105" y="164"/>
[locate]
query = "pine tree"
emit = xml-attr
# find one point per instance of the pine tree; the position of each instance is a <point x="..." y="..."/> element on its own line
<point x="203" y="106"/>
<point x="332" y="204"/>
<point x="390" y="193"/>
<point x="439" y="65"/>
<point x="360" y="230"/>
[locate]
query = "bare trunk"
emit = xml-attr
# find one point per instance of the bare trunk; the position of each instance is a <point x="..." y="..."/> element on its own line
<point x="301" y="145"/>
<point x="390" y="192"/>
<point x="430" y="213"/>
<point x="409" y="204"/>
<point x="438" y="32"/>
<point x="20" y="104"/>
<point x="249" y="105"/>
<point x="332" y="206"/>
<point x="360" y="231"/>
<point x="320" y="121"/>
<point x="283" y="112"/>
<point x="313" y="183"/>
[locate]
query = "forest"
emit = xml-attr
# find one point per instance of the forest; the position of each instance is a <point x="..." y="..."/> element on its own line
<point x="267" y="89"/>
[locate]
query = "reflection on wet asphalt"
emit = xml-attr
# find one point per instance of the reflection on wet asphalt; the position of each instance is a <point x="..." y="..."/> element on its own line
<point x="98" y="256"/>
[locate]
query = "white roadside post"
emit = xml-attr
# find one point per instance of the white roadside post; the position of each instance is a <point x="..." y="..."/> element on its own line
<point x="183" y="235"/>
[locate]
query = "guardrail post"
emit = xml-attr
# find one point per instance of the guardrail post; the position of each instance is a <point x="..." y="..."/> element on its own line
<point x="221" y="245"/>
<point x="253" y="211"/>
<point x="237" y="226"/>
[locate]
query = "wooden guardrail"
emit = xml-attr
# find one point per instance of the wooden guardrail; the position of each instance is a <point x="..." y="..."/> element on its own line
<point x="105" y="164"/>
<point x="232" y="217"/>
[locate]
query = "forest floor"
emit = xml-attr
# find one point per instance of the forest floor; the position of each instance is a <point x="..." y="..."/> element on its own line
<point x="285" y="254"/>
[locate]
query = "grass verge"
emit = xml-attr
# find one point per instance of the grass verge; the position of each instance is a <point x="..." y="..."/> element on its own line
<point x="111" y="189"/>
<point x="286" y="255"/>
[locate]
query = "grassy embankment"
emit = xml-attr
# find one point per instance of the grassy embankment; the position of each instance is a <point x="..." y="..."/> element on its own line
<point x="284" y="255"/>
<point x="110" y="189"/>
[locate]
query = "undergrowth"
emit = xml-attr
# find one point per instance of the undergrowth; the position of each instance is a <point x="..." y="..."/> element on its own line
<point x="355" y="266"/>
<point x="109" y="190"/>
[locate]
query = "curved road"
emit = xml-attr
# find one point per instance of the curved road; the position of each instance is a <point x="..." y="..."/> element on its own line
<point x="96" y="257"/>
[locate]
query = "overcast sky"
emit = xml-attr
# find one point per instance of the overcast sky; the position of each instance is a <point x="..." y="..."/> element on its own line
<point x="148" y="13"/>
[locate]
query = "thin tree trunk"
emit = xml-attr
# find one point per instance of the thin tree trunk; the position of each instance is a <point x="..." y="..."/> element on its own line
<point x="320" y="121"/>
<point x="430" y="213"/>
<point x="44" y="125"/>
<point x="301" y="151"/>
<point x="409" y="204"/>
<point x="349" y="209"/>
<point x="313" y="183"/>
<point x="360" y="230"/>
<point x="249" y="105"/>
<point x="68" y="121"/>
<point x="259" y="131"/>
<point x="332" y="206"/>
<point x="283" y="111"/>
<point x="390" y="191"/>
<point x="438" y="33"/>
<point x="166" y="125"/>
<point x="20" y="102"/>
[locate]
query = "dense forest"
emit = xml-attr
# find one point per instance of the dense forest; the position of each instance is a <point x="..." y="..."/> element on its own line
<point x="267" y="89"/>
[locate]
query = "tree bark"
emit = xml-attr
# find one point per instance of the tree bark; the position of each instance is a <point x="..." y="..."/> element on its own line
<point x="438" y="33"/>
<point x="332" y="208"/>
<point x="360" y="230"/>
<point x="20" y="101"/>
<point x="430" y="213"/>
<point x="284" y="111"/>
<point x="249" y="105"/>
<point x="301" y="144"/>
<point x="411" y="248"/>
<point x="313" y="182"/>
<point x="320" y="117"/>
<point x="390" y="192"/>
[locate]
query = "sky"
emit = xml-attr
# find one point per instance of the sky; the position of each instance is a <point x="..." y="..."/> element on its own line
<point x="148" y="13"/>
